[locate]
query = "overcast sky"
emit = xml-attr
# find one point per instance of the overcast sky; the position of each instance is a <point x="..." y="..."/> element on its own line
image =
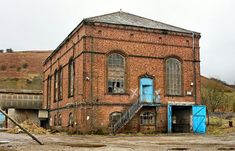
<point x="43" y="24"/>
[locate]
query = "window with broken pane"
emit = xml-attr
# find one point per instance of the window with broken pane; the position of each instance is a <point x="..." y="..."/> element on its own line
<point x="116" y="73"/>
<point x="147" y="118"/>
<point x="173" y="77"/>
<point x="114" y="117"/>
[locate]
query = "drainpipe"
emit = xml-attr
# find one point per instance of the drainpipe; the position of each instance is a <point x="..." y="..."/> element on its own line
<point x="91" y="70"/>
<point x="91" y="82"/>
<point x="194" y="70"/>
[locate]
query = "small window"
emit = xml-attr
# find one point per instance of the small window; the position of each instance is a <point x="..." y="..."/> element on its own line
<point x="71" y="120"/>
<point x="60" y="120"/>
<point x="55" y="120"/>
<point x="116" y="73"/>
<point x="147" y="118"/>
<point x="114" y="117"/>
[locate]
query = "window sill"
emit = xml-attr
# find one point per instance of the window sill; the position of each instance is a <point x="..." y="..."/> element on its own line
<point x="147" y="124"/>
<point x="70" y="96"/>
<point x="168" y="95"/>
<point x="117" y="94"/>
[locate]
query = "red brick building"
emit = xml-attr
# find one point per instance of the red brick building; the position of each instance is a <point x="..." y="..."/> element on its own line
<point x="122" y="72"/>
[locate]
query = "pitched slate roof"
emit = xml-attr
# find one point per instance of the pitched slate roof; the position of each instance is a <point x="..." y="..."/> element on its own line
<point x="123" y="18"/>
<point x="126" y="19"/>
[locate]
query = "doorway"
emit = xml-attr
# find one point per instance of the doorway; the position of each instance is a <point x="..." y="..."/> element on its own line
<point x="146" y="90"/>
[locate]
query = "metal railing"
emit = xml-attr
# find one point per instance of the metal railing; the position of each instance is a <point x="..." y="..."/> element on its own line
<point x="127" y="116"/>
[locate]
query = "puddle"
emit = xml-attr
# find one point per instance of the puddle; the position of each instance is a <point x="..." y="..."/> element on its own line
<point x="226" y="148"/>
<point x="85" y="145"/>
<point x="4" y="142"/>
<point x="178" y="148"/>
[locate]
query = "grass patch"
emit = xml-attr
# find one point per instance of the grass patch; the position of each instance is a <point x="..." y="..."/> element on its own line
<point x="21" y="83"/>
<point x="220" y="126"/>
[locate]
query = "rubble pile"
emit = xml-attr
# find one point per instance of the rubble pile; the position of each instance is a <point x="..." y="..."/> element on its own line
<point x="29" y="126"/>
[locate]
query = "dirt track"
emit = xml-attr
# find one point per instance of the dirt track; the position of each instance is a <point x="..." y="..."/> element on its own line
<point x="62" y="142"/>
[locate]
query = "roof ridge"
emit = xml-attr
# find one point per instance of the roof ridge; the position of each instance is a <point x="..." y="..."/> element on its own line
<point x="157" y="21"/>
<point x="102" y="15"/>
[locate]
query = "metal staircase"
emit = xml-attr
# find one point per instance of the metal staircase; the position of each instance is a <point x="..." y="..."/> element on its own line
<point x="127" y="116"/>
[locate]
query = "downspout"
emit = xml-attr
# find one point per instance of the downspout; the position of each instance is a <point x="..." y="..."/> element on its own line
<point x="91" y="82"/>
<point x="194" y="70"/>
<point x="91" y="70"/>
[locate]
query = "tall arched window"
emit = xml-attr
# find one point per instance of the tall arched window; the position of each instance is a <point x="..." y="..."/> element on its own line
<point x="48" y="91"/>
<point x="56" y="77"/>
<point x="116" y="73"/>
<point x="60" y="82"/>
<point x="71" y="78"/>
<point x="173" y="77"/>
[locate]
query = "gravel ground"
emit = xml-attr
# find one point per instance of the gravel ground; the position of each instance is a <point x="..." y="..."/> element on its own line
<point x="63" y="142"/>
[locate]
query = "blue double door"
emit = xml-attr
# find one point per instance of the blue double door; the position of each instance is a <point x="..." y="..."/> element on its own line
<point x="146" y="90"/>
<point x="2" y="119"/>
<point x="198" y="118"/>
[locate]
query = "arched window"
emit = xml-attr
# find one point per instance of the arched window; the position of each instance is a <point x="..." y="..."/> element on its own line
<point x="147" y="118"/>
<point x="60" y="120"/>
<point x="116" y="73"/>
<point x="55" y="120"/>
<point x="60" y="82"/>
<point x="71" y="120"/>
<point x="56" y="77"/>
<point x="48" y="91"/>
<point x="114" y="117"/>
<point x="173" y="77"/>
<point x="71" y="78"/>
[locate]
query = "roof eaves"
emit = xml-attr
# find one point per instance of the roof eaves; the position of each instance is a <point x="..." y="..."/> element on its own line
<point x="189" y="32"/>
<point x="64" y="41"/>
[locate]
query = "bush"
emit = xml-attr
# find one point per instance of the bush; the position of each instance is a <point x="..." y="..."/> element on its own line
<point x="25" y="65"/>
<point x="18" y="69"/>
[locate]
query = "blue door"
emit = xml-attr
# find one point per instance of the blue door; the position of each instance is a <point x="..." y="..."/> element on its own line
<point x="2" y="119"/>
<point x="169" y="117"/>
<point x="146" y="90"/>
<point x="199" y="119"/>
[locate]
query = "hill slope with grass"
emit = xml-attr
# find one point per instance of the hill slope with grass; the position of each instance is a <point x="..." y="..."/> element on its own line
<point x="22" y="69"/>
<point x="217" y="95"/>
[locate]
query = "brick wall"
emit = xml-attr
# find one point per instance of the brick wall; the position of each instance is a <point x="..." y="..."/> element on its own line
<point x="145" y="52"/>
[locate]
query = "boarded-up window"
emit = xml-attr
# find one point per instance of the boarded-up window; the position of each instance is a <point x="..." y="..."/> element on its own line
<point x="56" y="77"/>
<point x="71" y="78"/>
<point x="173" y="77"/>
<point x="116" y="73"/>
<point x="147" y="118"/>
